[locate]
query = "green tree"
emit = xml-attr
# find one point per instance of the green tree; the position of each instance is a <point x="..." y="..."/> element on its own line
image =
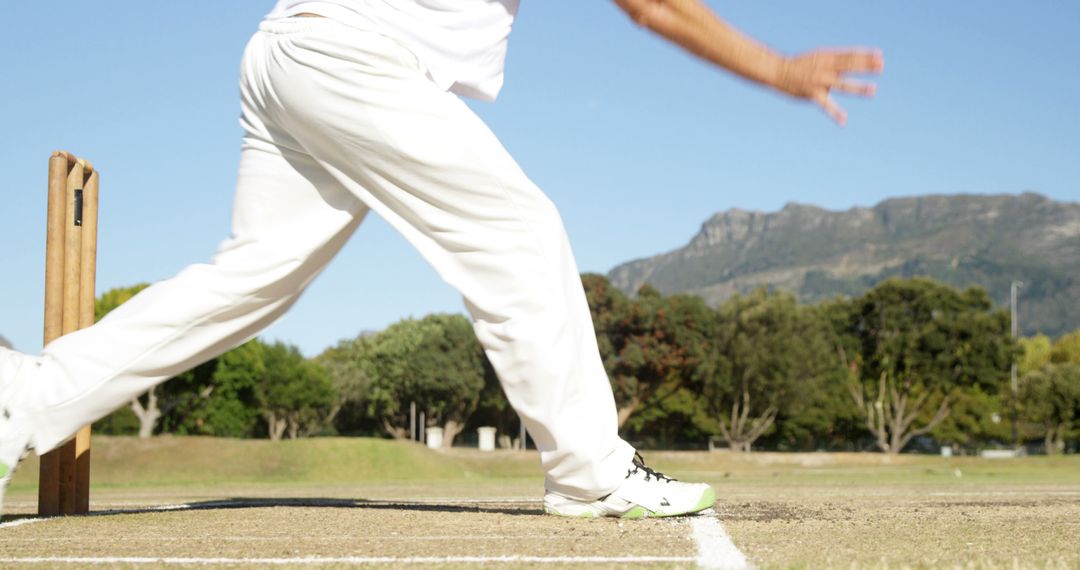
<point x="678" y="418"/>
<point x="652" y="345"/>
<point x="773" y="355"/>
<point x="823" y="417"/>
<point x="384" y="358"/>
<point x="975" y="416"/>
<point x="1050" y="399"/>
<point x="435" y="361"/>
<point x="213" y="398"/>
<point x="456" y="368"/>
<point x="182" y="397"/>
<point x="351" y="386"/>
<point x="494" y="410"/>
<point x="1066" y="349"/>
<point x="295" y="396"/>
<point x="1036" y="353"/>
<point x="227" y="396"/>
<point x="913" y="347"/>
<point x="223" y="402"/>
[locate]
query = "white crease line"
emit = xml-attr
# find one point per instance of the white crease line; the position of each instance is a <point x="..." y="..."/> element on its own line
<point x="715" y="549"/>
<point x="1023" y="493"/>
<point x="349" y="560"/>
<point x="19" y="522"/>
<point x="321" y="538"/>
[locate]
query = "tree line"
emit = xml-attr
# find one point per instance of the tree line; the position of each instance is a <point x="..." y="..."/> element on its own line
<point x="909" y="363"/>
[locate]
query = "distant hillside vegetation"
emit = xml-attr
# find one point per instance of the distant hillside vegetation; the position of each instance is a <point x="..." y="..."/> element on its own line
<point x="815" y="253"/>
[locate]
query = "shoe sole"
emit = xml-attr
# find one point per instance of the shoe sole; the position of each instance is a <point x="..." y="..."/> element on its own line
<point x="707" y="500"/>
<point x="5" y="478"/>
<point x="7" y="473"/>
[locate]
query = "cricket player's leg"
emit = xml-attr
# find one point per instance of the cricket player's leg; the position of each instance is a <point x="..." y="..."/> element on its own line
<point x="419" y="157"/>
<point x="290" y="218"/>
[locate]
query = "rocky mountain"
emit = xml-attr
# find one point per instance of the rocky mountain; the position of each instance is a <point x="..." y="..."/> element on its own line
<point x="816" y="253"/>
<point x="4" y="342"/>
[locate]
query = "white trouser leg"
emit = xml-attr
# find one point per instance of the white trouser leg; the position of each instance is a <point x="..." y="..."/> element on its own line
<point x="289" y="220"/>
<point x="362" y="108"/>
<point x="423" y="161"/>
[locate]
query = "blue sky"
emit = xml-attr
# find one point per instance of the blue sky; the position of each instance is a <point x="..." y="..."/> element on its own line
<point x="637" y="143"/>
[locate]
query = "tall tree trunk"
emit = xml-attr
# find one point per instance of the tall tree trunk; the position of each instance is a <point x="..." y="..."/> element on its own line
<point x="739" y="429"/>
<point x="310" y="429"/>
<point x="890" y="413"/>
<point x="331" y="414"/>
<point x="396" y="432"/>
<point x="275" y="426"/>
<point x="873" y="412"/>
<point x="148" y="415"/>
<point x="628" y="409"/>
<point x="1054" y="440"/>
<point x="451" y="429"/>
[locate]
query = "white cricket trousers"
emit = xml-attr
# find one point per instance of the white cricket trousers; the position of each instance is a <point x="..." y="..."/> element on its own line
<point x="338" y="121"/>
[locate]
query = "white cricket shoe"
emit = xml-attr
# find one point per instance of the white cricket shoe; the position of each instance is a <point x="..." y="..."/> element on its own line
<point x="644" y="493"/>
<point x="14" y="445"/>
<point x="14" y="439"/>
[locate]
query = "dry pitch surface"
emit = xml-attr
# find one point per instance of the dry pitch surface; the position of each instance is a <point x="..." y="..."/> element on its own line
<point x="814" y="511"/>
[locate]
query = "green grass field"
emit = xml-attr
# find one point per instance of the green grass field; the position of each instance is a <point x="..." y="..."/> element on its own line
<point x="354" y="501"/>
<point x="120" y="462"/>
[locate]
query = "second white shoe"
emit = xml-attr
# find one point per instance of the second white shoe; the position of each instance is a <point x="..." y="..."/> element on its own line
<point x="14" y="445"/>
<point x="644" y="493"/>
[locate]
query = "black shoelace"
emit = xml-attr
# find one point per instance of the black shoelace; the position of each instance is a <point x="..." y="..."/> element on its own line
<point x="639" y="465"/>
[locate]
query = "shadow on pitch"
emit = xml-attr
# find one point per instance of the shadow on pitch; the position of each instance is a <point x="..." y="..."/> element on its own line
<point x="504" y="507"/>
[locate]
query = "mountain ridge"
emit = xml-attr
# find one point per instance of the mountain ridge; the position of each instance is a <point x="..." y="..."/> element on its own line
<point x="961" y="239"/>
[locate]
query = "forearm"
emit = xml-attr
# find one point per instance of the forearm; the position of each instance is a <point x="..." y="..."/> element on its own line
<point x="697" y="29"/>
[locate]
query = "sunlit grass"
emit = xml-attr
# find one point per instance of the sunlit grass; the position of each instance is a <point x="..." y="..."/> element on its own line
<point x="207" y="462"/>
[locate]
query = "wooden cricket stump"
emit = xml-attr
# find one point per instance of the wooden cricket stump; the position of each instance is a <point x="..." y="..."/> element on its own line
<point x="70" y="267"/>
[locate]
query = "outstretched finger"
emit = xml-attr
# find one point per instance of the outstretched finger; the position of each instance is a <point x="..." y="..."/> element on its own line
<point x="831" y="108"/>
<point x="859" y="61"/>
<point x="854" y="87"/>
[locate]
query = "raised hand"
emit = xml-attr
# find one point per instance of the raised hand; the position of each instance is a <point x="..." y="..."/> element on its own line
<point x="692" y="25"/>
<point x="814" y="75"/>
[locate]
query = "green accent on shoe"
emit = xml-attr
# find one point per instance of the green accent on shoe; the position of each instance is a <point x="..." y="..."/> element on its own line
<point x="707" y="501"/>
<point x="585" y="515"/>
<point x="638" y="512"/>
